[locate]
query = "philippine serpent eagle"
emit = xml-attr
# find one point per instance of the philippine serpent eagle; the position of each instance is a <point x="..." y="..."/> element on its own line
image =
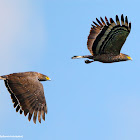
<point x="106" y="40"/>
<point x="27" y="93"/>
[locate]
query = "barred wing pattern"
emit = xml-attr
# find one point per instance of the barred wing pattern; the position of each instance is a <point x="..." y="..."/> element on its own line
<point x="27" y="94"/>
<point x="109" y="37"/>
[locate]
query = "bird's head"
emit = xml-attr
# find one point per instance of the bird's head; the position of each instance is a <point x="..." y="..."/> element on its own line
<point x="125" y="57"/>
<point x="128" y="57"/>
<point x="42" y="77"/>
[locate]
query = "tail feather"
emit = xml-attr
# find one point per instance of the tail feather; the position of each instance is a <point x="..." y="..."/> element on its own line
<point x="85" y="56"/>
<point x="3" y="77"/>
<point x="76" y="57"/>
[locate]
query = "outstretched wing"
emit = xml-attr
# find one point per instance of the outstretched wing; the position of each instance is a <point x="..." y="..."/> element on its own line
<point x="27" y="95"/>
<point x="94" y="32"/>
<point x="110" y="37"/>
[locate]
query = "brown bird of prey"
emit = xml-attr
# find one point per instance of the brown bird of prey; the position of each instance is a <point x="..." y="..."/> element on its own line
<point x="106" y="40"/>
<point x="27" y="93"/>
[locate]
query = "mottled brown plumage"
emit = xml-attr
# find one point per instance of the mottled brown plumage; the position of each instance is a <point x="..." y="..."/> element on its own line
<point x="106" y="40"/>
<point x="27" y="93"/>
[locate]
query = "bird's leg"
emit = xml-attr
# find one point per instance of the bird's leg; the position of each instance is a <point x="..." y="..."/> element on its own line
<point x="87" y="61"/>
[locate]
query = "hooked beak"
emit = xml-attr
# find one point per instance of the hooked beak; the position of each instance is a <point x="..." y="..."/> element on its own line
<point x="129" y="58"/>
<point x="48" y="79"/>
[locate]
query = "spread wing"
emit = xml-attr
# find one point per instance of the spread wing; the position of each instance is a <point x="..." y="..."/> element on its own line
<point x="94" y="32"/>
<point x="27" y="94"/>
<point x="109" y="37"/>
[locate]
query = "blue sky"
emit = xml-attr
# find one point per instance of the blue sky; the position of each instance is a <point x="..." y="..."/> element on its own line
<point x="96" y="101"/>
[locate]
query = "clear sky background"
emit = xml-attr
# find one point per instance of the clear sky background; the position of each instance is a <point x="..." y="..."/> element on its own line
<point x="95" y="101"/>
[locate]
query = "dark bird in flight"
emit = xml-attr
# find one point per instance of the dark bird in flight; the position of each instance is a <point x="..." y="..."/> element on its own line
<point x="27" y="93"/>
<point x="106" y="40"/>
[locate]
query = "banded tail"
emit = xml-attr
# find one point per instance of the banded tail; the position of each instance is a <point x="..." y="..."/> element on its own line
<point x="85" y="56"/>
<point x="3" y="77"/>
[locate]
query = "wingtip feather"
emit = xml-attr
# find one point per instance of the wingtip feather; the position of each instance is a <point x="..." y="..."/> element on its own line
<point x="122" y="19"/>
<point x="126" y="21"/>
<point x="117" y="20"/>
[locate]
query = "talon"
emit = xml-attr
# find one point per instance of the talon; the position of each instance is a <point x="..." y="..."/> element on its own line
<point x="87" y="61"/>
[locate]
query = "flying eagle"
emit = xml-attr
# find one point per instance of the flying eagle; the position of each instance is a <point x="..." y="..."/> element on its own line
<point x="106" y="40"/>
<point x="27" y="93"/>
